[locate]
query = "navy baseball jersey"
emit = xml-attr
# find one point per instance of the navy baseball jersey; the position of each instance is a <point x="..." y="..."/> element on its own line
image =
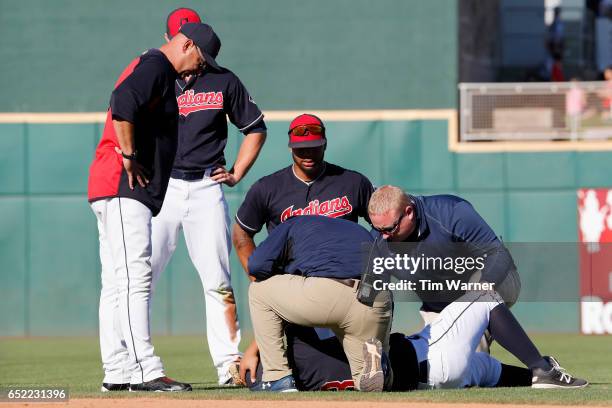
<point x="316" y="364"/>
<point x="203" y="102"/>
<point x="321" y="365"/>
<point x="336" y="193"/>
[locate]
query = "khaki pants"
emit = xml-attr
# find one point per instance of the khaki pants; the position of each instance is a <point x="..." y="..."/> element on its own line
<point x="314" y="302"/>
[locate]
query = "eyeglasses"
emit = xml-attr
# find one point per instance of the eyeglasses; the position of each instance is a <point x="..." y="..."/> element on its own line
<point x="303" y="130"/>
<point x="392" y="229"/>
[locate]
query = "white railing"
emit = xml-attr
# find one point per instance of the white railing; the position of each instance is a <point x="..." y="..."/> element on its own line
<point x="535" y="111"/>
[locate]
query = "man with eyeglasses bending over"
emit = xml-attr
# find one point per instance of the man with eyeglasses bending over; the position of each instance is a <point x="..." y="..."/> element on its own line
<point x="309" y="186"/>
<point x="444" y="353"/>
<point x="443" y="223"/>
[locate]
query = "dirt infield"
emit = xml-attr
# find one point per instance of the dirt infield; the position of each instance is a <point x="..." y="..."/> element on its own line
<point x="186" y="403"/>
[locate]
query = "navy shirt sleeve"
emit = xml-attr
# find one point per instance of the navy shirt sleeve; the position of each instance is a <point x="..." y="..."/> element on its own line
<point x="469" y="226"/>
<point x="140" y="88"/>
<point x="258" y="127"/>
<point x="253" y="211"/>
<point x="242" y="110"/>
<point x="263" y="260"/>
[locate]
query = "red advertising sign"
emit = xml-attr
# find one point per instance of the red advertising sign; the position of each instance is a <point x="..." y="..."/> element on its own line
<point x="595" y="237"/>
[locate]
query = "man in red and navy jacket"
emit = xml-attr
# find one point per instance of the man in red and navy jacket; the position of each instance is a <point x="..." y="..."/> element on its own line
<point x="127" y="183"/>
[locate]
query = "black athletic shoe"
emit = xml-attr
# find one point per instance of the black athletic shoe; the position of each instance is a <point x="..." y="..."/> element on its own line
<point x="161" y="384"/>
<point x="108" y="387"/>
<point x="557" y="377"/>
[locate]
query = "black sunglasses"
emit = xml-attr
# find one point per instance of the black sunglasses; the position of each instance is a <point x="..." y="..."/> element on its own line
<point x="390" y="230"/>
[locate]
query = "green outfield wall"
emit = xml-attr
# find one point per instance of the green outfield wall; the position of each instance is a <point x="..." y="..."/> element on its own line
<point x="65" y="55"/>
<point x="49" y="267"/>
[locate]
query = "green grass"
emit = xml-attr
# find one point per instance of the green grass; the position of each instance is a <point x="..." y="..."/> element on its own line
<point x="74" y="363"/>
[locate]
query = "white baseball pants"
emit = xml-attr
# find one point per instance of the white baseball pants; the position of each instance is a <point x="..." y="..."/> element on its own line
<point x="449" y="344"/>
<point x="124" y="227"/>
<point x="200" y="209"/>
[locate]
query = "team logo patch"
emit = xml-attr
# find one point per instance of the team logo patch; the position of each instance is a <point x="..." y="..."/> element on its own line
<point x="190" y="101"/>
<point x="334" y="208"/>
<point x="346" y="385"/>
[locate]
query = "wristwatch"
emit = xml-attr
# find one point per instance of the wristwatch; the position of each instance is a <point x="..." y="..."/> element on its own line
<point x="132" y="156"/>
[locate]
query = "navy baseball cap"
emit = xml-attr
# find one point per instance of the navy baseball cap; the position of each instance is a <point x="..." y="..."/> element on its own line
<point x="205" y="39"/>
<point x="178" y="17"/>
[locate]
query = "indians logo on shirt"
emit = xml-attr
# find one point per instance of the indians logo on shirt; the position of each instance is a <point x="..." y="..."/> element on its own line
<point x="334" y="208"/>
<point x="190" y="101"/>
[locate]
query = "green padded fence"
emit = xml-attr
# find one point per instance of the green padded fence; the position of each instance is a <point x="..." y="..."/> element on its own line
<point x="49" y="267"/>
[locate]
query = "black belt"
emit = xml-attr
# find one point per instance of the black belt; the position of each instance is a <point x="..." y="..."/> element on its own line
<point x="346" y="282"/>
<point x="190" y="175"/>
<point x="423" y="371"/>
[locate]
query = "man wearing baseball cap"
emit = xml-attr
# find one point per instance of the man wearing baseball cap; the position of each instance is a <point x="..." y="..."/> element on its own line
<point x="128" y="180"/>
<point x="205" y="39"/>
<point x="309" y="186"/>
<point x="195" y="200"/>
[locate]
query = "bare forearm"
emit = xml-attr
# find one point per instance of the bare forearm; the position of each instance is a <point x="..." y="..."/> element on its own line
<point x="249" y="150"/>
<point x="125" y="136"/>
<point x="244" y="246"/>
